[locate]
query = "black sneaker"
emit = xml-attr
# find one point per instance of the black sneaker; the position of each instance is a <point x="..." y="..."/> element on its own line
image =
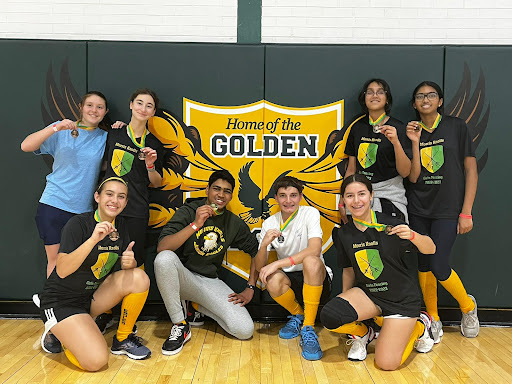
<point x="104" y="321"/>
<point x="51" y="344"/>
<point x="194" y="318"/>
<point x="180" y="334"/>
<point x="132" y="347"/>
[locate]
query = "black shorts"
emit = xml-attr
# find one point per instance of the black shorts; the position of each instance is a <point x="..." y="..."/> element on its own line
<point x="50" y="221"/>
<point x="51" y="314"/>
<point x="297" y="280"/>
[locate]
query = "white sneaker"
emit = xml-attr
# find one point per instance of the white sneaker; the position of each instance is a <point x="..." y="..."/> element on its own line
<point x="426" y="341"/>
<point x="469" y="325"/>
<point x="437" y="331"/>
<point x="358" y="350"/>
<point x="36" y="300"/>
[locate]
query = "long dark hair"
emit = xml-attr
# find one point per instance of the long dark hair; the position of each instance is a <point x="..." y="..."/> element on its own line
<point x="438" y="89"/>
<point x="362" y="95"/>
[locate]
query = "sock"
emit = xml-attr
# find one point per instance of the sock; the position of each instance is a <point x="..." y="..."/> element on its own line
<point x="288" y="302"/>
<point x="194" y="305"/>
<point x="109" y="311"/>
<point x="417" y="332"/>
<point x="379" y="320"/>
<point x="184" y="322"/>
<point x="454" y="285"/>
<point x="72" y="359"/>
<point x="311" y="294"/>
<point x="428" y="284"/>
<point x="130" y="311"/>
<point x="355" y="328"/>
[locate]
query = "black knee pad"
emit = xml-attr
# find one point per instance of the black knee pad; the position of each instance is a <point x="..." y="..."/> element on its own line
<point x="337" y="312"/>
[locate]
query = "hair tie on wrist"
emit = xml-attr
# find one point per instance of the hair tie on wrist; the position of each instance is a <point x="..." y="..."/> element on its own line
<point x="413" y="235"/>
<point x="194" y="227"/>
<point x="291" y="260"/>
<point x="466" y="216"/>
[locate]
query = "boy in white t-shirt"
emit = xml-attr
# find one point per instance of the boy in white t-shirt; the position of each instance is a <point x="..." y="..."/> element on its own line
<point x="299" y="275"/>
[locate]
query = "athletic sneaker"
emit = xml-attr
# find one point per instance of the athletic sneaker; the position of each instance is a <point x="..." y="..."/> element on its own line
<point x="104" y="321"/>
<point x="358" y="349"/>
<point x="426" y="341"/>
<point x="131" y="346"/>
<point x="469" y="325"/>
<point x="180" y="334"/>
<point x="36" y="300"/>
<point x="51" y="344"/>
<point x="194" y="318"/>
<point x="292" y="328"/>
<point x="309" y="342"/>
<point x="437" y="331"/>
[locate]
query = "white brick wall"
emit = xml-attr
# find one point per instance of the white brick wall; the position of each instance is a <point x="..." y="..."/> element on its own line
<point x="129" y="20"/>
<point x="387" y="21"/>
<point x="283" y="21"/>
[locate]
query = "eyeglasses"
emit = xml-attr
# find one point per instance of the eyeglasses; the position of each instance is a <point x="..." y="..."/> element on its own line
<point x="430" y="96"/>
<point x="371" y="93"/>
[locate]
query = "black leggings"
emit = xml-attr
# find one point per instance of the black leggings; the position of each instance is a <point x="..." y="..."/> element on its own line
<point x="137" y="231"/>
<point x="443" y="232"/>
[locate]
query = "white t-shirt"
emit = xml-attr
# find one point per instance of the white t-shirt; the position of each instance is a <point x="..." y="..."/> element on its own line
<point x="303" y="227"/>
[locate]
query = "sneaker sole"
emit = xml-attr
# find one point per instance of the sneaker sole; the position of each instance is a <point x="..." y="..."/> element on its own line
<point x="288" y="337"/>
<point x="312" y="357"/>
<point x="131" y="356"/>
<point x="170" y="353"/>
<point x="196" y="323"/>
<point x="352" y="359"/>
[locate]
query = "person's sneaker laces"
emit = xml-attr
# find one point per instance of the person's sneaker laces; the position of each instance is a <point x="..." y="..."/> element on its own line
<point x="104" y="321"/>
<point x="309" y="342"/>
<point x="437" y="331"/>
<point x="292" y="328"/>
<point x="358" y="349"/>
<point x="469" y="325"/>
<point x="51" y="344"/>
<point x="180" y="334"/>
<point x="131" y="346"/>
<point x="426" y="341"/>
<point x="194" y="318"/>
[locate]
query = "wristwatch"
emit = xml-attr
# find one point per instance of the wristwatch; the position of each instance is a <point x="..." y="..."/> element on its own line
<point x="250" y="286"/>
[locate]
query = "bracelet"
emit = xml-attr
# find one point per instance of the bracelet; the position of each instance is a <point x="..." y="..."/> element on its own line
<point x="341" y="205"/>
<point x="151" y="168"/>
<point x="194" y="227"/>
<point x="413" y="235"/>
<point x="291" y="260"/>
<point x="466" y="216"/>
<point x="54" y="126"/>
<point x="250" y="286"/>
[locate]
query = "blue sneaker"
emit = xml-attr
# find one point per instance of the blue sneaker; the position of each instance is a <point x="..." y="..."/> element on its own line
<point x="292" y="328"/>
<point x="132" y="347"/>
<point x="309" y="342"/>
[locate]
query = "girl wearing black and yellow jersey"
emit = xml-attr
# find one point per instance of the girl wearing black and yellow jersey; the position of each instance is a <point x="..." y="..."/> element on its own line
<point x="441" y="192"/>
<point x="373" y="248"/>
<point x="83" y="284"/>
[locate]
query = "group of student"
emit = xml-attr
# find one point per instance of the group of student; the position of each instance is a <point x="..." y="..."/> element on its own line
<point x="96" y="255"/>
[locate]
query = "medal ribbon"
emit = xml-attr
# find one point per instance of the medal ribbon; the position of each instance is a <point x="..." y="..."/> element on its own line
<point x="373" y="224"/>
<point x="98" y="219"/>
<point x="436" y="123"/>
<point x="85" y="127"/>
<point x="283" y="227"/>
<point x="376" y="122"/>
<point x="142" y="139"/>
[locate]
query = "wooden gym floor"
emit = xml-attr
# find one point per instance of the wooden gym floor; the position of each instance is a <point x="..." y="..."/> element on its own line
<point x="212" y="356"/>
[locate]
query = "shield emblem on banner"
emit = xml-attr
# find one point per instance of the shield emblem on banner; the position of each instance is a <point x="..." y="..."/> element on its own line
<point x="121" y="162"/>
<point x="367" y="154"/>
<point x="432" y="158"/>
<point x="370" y="263"/>
<point x="104" y="264"/>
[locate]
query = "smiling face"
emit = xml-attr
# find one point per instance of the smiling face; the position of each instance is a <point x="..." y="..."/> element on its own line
<point x="375" y="98"/>
<point x="143" y="107"/>
<point x="219" y="193"/>
<point x="93" y="110"/>
<point x="111" y="199"/>
<point x="357" y="199"/>
<point x="288" y="199"/>
<point x="427" y="101"/>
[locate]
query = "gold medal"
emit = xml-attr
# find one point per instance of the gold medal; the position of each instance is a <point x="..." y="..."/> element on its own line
<point x="215" y="208"/>
<point x="141" y="155"/>
<point x="388" y="229"/>
<point x="74" y="133"/>
<point x="114" y="236"/>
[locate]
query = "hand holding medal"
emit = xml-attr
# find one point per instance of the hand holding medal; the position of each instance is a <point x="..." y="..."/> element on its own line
<point x="413" y="131"/>
<point x="270" y="236"/>
<point x="128" y="257"/>
<point x="102" y="229"/>
<point x="390" y="132"/>
<point x="63" y="125"/>
<point x="149" y="155"/>
<point x="403" y="231"/>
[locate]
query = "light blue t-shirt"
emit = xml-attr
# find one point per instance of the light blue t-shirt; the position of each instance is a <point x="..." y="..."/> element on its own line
<point x="76" y="167"/>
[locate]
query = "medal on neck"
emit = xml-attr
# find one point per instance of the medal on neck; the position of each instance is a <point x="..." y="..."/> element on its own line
<point x="373" y="224"/>
<point x="74" y="131"/>
<point x="114" y="235"/>
<point x="375" y="124"/>
<point x="282" y="227"/>
<point x="436" y="123"/>
<point x="141" y="144"/>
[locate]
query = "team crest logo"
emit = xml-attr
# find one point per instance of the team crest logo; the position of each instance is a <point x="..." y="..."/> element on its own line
<point x="121" y="162"/>
<point x="367" y="154"/>
<point x="370" y="263"/>
<point x="104" y="264"/>
<point x="432" y="158"/>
